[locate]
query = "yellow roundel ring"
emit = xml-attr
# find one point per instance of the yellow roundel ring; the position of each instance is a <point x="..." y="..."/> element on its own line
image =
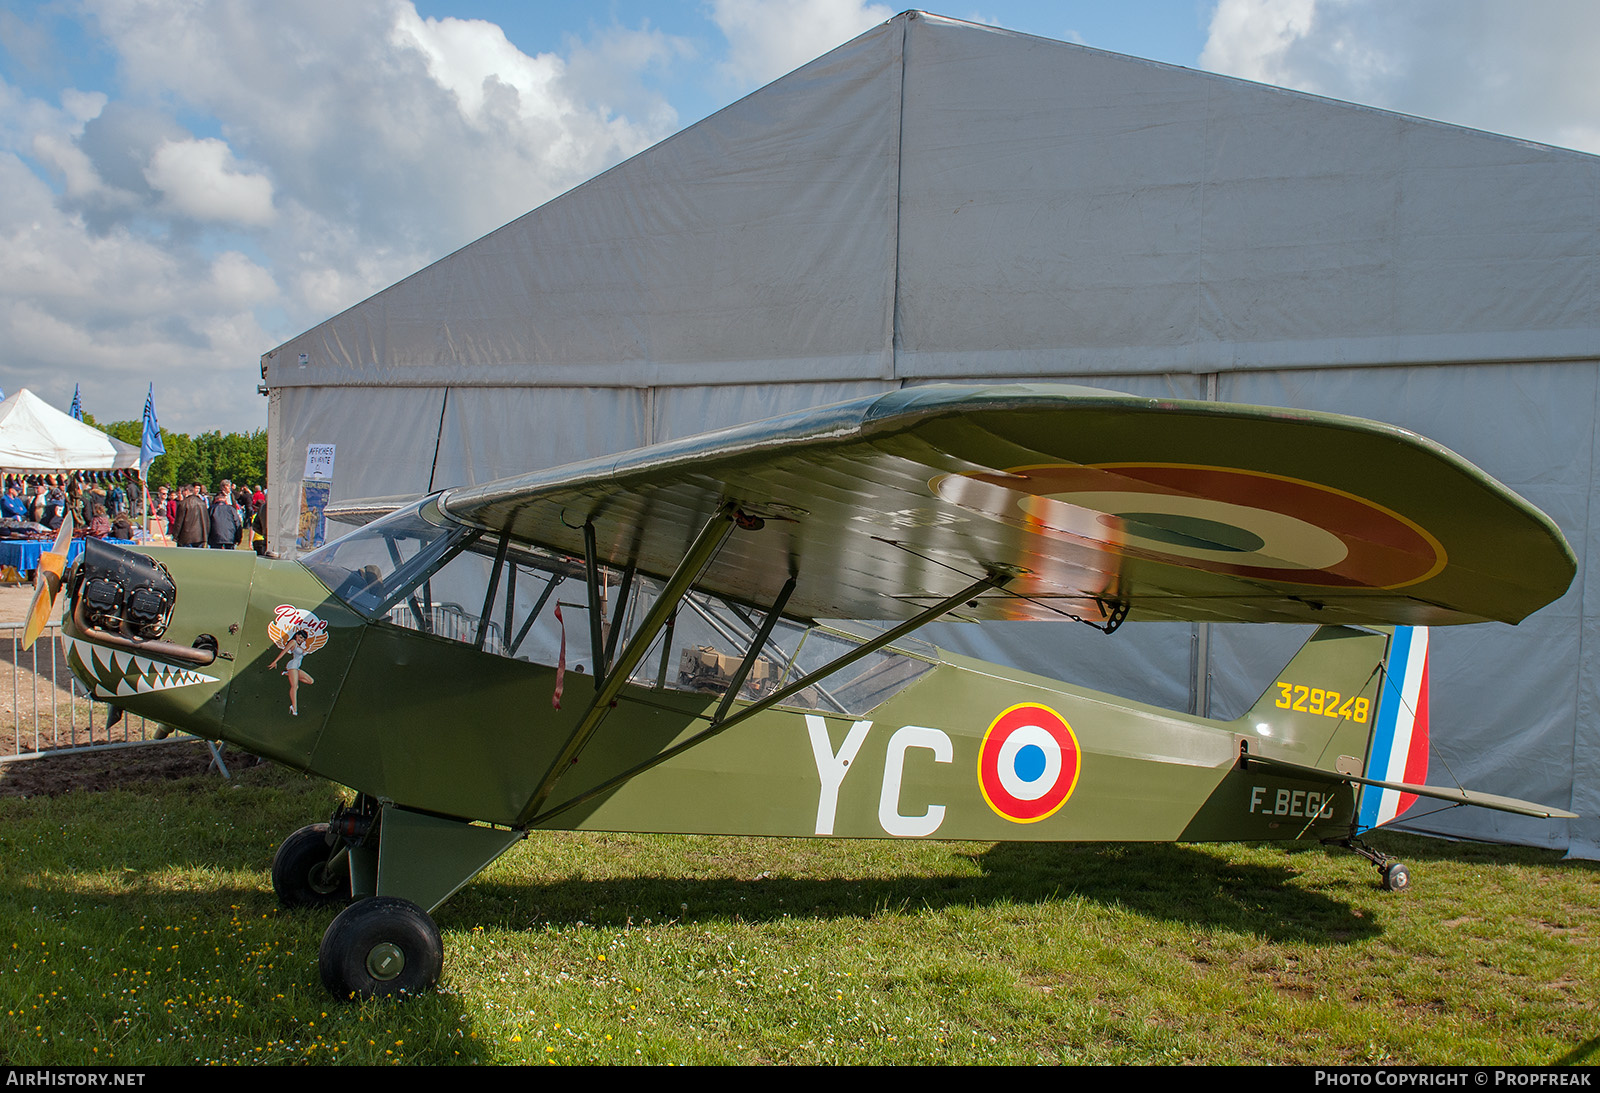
<point x="1028" y="763"/>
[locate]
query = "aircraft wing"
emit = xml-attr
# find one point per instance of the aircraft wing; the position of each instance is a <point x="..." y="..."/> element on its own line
<point x="1103" y="502"/>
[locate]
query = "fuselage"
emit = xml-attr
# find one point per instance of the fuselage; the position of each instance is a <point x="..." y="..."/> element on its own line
<point x="920" y="744"/>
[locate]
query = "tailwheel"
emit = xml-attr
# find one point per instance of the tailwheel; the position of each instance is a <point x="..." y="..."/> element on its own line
<point x="307" y="872"/>
<point x="381" y="948"/>
<point x="1394" y="877"/>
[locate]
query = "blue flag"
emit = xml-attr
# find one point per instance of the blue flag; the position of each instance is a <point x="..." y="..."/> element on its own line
<point x="150" y="444"/>
<point x="77" y="405"/>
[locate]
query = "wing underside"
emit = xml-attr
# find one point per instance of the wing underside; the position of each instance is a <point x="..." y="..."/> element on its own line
<point x="1103" y="504"/>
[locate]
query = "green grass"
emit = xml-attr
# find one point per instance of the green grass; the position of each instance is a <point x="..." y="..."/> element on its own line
<point x="139" y="927"/>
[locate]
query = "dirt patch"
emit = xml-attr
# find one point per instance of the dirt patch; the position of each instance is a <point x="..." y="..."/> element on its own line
<point x="114" y="768"/>
<point x="14" y="601"/>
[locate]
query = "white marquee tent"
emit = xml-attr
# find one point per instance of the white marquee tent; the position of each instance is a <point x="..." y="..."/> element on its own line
<point x="35" y="436"/>
<point x="938" y="200"/>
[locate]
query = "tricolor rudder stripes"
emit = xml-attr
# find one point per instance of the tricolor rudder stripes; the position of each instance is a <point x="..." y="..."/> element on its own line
<point x="1399" y="749"/>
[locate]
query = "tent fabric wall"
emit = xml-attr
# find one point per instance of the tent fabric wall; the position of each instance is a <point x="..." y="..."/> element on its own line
<point x="937" y="200"/>
<point x="1163" y="220"/>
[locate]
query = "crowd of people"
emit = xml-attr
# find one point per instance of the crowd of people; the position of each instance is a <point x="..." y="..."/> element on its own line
<point x="45" y="500"/>
<point x="228" y="518"/>
<point x="107" y="504"/>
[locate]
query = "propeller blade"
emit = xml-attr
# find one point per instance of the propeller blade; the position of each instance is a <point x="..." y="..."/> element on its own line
<point x="47" y="587"/>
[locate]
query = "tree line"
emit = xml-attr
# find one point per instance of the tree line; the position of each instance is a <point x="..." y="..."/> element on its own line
<point x="208" y="458"/>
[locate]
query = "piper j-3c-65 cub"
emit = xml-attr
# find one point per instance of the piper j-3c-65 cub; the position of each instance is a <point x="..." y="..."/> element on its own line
<point x="632" y="644"/>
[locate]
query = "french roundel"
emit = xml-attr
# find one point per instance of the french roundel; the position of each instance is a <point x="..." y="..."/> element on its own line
<point x="1028" y="763"/>
<point x="1241" y="523"/>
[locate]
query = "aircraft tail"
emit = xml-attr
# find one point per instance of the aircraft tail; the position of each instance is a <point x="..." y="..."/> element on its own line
<point x="1352" y="707"/>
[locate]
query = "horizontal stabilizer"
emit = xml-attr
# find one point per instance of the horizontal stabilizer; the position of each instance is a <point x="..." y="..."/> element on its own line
<point x="1440" y="793"/>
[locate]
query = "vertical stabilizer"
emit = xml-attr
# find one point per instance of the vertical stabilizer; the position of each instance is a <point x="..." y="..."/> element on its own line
<point x="1320" y="710"/>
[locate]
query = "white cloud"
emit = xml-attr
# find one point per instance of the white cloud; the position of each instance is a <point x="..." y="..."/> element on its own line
<point x="1249" y="38"/>
<point x="422" y="133"/>
<point x="113" y="310"/>
<point x="73" y="166"/>
<point x="240" y="282"/>
<point x="199" y="179"/>
<point x="253" y="164"/>
<point x="470" y="57"/>
<point x="768" y="38"/>
<point x="1526" y="70"/>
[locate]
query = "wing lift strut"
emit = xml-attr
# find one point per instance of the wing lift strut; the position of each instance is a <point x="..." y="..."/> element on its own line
<point x="662" y="611"/>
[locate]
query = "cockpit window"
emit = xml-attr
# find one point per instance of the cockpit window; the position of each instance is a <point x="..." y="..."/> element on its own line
<point x="701" y="650"/>
<point x="373" y="566"/>
<point x="417" y="570"/>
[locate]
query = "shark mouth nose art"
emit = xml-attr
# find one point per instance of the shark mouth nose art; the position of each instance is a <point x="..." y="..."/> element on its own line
<point x="110" y="673"/>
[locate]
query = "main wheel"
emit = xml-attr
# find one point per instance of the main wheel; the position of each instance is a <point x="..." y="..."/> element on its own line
<point x="379" y="948"/>
<point x="300" y="873"/>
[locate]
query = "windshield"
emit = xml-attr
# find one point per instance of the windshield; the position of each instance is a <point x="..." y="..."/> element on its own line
<point x="373" y="566"/>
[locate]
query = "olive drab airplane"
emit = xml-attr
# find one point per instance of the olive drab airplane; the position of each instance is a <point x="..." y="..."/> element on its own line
<point x="673" y="640"/>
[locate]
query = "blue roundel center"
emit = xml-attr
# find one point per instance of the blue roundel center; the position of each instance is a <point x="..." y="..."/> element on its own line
<point x="1029" y="763"/>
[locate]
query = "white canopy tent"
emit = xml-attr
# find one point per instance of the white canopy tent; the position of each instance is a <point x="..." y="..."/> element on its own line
<point x="36" y="437"/>
<point x="937" y="200"/>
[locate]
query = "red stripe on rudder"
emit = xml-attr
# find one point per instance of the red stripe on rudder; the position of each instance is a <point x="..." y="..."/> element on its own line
<point x="1417" y="756"/>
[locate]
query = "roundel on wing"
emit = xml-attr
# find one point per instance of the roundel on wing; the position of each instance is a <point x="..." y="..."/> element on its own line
<point x="1224" y="520"/>
<point x="1028" y="763"/>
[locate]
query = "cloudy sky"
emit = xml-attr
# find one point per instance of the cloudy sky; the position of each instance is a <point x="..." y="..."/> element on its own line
<point x="185" y="184"/>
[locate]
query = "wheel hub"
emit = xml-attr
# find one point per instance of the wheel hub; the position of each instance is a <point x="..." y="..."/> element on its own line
<point x="385" y="961"/>
<point x="323" y="880"/>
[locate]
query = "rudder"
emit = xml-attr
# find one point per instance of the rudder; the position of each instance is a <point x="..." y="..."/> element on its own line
<point x="1399" y="746"/>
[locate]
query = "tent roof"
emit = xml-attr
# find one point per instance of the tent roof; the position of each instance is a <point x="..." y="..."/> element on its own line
<point x="35" y="436"/>
<point x="937" y="199"/>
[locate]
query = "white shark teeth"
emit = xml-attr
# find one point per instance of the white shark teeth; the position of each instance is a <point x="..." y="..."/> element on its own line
<point x="109" y="673"/>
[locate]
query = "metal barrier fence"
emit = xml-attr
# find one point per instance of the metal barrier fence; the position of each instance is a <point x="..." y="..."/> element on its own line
<point x="45" y="710"/>
<point x="447" y="620"/>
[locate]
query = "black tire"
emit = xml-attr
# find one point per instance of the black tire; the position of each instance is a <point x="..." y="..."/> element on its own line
<point x="300" y="875"/>
<point x="1396" y="877"/>
<point x="381" y="948"/>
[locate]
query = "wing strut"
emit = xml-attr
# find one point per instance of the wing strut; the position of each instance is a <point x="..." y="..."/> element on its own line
<point x="756" y="645"/>
<point x="705" y="546"/>
<point x="533" y="616"/>
<point x="998" y="577"/>
<point x="597" y="648"/>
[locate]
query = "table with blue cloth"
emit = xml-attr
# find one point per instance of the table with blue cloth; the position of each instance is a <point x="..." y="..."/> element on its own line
<point x="23" y="554"/>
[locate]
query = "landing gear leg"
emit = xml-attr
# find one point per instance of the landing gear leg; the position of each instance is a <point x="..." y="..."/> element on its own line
<point x="316" y="865"/>
<point x="1393" y="875"/>
<point x="403" y="864"/>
